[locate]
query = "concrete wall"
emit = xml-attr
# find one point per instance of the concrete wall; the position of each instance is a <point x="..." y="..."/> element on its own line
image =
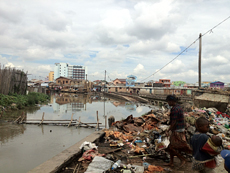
<point x="218" y="101"/>
<point x="151" y="90"/>
<point x="37" y="89"/>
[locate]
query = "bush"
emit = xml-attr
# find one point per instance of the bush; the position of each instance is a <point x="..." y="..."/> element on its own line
<point x="23" y="100"/>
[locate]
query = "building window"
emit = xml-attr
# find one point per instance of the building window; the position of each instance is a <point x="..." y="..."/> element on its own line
<point x="59" y="81"/>
<point x="66" y="81"/>
<point x="120" y="88"/>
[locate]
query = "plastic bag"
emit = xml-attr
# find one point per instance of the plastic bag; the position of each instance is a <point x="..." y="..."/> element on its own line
<point x="87" y="146"/>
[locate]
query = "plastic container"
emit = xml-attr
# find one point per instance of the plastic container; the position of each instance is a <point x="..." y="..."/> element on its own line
<point x="115" y="165"/>
<point x="138" y="141"/>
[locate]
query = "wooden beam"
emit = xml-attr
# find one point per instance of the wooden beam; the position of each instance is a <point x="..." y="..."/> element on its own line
<point x="17" y="119"/>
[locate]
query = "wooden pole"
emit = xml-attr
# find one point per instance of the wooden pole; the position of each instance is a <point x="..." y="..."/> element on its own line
<point x="199" y="61"/>
<point x="23" y="117"/>
<point x="42" y="118"/>
<point x="71" y="120"/>
<point x="106" y="122"/>
<point x="79" y="122"/>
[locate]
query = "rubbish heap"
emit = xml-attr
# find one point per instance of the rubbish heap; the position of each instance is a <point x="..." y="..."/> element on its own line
<point x="131" y="145"/>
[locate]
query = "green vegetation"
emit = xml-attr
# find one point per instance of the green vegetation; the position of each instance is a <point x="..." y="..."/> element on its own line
<point x="16" y="101"/>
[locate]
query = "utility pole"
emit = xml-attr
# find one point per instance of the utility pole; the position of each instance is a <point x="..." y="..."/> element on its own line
<point x="86" y="76"/>
<point x="105" y="75"/>
<point x="104" y="103"/>
<point x="199" y="61"/>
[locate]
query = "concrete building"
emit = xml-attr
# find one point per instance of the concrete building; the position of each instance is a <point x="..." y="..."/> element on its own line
<point x="51" y="76"/>
<point x="178" y="83"/>
<point x="70" y="71"/>
<point x="165" y="82"/>
<point x="77" y="71"/>
<point x="119" y="81"/>
<point x="60" y="69"/>
<point x="217" y="84"/>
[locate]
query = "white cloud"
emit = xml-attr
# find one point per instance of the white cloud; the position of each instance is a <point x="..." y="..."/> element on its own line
<point x="122" y="37"/>
<point x="139" y="68"/>
<point x="9" y="64"/>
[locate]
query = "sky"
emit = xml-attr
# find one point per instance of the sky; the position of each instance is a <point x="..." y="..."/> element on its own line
<point x="123" y="37"/>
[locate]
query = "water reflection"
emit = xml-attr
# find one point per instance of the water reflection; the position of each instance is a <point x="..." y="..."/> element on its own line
<point x="9" y="131"/>
<point x="35" y="144"/>
<point x="63" y="103"/>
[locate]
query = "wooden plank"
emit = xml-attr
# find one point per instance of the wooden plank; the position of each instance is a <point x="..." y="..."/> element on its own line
<point x="71" y="120"/>
<point x="48" y="120"/>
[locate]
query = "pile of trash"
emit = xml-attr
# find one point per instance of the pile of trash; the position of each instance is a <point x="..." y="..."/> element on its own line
<point x="219" y="123"/>
<point x="131" y="145"/>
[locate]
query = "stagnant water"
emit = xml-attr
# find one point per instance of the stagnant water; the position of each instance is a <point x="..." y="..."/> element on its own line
<point x="25" y="146"/>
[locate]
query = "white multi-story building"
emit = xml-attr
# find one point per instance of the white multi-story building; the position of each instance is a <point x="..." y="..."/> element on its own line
<point x="71" y="71"/>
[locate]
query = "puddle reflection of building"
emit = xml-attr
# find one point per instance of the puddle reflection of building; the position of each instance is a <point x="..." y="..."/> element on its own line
<point x="64" y="103"/>
<point x="127" y="105"/>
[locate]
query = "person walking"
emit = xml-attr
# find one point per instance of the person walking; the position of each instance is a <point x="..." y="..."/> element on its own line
<point x="177" y="139"/>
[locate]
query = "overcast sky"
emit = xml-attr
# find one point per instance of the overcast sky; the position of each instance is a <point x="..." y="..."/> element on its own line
<point x="123" y="37"/>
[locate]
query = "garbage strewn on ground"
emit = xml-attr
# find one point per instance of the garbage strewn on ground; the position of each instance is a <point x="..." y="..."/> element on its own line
<point x="131" y="145"/>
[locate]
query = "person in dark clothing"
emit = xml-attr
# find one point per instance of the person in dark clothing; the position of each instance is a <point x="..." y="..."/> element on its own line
<point x="177" y="139"/>
<point x="226" y="155"/>
<point x="203" y="161"/>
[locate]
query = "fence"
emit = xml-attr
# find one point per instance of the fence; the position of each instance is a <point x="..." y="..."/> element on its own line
<point x="12" y="81"/>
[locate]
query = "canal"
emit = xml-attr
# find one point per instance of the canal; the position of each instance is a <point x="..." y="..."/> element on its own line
<point x="25" y="146"/>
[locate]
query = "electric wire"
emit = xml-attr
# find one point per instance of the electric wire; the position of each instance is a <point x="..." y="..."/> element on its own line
<point x="209" y="31"/>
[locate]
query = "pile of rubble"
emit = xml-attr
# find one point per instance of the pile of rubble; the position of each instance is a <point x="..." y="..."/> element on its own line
<point x="131" y="145"/>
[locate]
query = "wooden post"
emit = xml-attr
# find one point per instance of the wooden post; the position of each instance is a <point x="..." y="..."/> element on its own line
<point x="42" y="118"/>
<point x="71" y="120"/>
<point x="97" y="121"/>
<point x="23" y="117"/>
<point x="79" y="122"/>
<point x="199" y="61"/>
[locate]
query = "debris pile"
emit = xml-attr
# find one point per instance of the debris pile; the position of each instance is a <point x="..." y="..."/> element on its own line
<point x="133" y="144"/>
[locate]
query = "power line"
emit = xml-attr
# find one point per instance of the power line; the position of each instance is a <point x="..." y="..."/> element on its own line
<point x="209" y="31"/>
